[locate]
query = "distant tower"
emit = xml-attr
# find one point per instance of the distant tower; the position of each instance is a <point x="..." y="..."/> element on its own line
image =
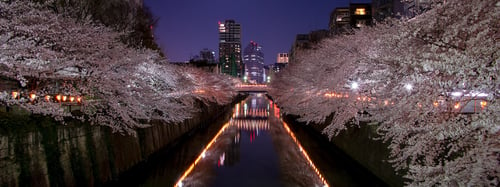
<point x="230" y="48"/>
<point x="253" y="59"/>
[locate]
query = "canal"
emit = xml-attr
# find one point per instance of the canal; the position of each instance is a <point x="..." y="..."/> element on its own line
<point x="253" y="148"/>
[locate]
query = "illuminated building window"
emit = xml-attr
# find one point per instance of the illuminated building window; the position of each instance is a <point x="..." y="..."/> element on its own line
<point x="360" y="23"/>
<point x="360" y="11"/>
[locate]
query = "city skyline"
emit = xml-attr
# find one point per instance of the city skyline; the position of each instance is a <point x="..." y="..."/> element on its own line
<point x="186" y="27"/>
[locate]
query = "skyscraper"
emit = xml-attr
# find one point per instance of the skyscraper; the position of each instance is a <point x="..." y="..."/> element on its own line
<point x="253" y="59"/>
<point x="230" y="48"/>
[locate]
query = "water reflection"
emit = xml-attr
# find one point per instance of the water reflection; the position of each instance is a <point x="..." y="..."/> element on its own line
<point x="253" y="149"/>
<point x="250" y="147"/>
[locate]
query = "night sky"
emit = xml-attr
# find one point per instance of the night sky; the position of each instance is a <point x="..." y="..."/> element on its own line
<point x="187" y="26"/>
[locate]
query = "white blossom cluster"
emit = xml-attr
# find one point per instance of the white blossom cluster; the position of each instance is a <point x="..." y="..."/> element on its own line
<point x="413" y="78"/>
<point x="122" y="87"/>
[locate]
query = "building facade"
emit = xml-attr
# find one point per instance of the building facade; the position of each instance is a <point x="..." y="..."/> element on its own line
<point x="230" y="48"/>
<point x="307" y="41"/>
<point x="205" y="60"/>
<point x="340" y="20"/>
<point x="253" y="58"/>
<point x="344" y="19"/>
<point x="416" y="7"/>
<point x="395" y="8"/>
<point x="361" y="15"/>
<point x="387" y="8"/>
<point x="281" y="62"/>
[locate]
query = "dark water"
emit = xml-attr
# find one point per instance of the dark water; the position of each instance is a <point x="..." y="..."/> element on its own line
<point x="254" y="148"/>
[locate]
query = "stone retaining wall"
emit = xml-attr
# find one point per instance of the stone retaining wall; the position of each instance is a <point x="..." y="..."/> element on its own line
<point x="36" y="151"/>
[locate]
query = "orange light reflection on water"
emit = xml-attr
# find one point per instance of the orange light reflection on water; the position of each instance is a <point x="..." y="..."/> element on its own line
<point x="191" y="167"/>
<point x="276" y="110"/>
<point x="303" y="151"/>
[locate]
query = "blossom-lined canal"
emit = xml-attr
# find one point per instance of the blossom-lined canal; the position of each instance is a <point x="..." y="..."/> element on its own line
<point x="253" y="148"/>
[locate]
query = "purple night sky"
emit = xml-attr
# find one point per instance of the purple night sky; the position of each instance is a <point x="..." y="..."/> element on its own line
<point x="187" y="26"/>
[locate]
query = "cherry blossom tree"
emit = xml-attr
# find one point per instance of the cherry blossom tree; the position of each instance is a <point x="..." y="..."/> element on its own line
<point x="123" y="88"/>
<point x="413" y="77"/>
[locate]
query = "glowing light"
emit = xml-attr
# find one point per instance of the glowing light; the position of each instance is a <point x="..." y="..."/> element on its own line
<point x="483" y="104"/>
<point x="47" y="98"/>
<point x="457" y="106"/>
<point x="58" y="97"/>
<point x="456" y="94"/>
<point x="436" y="104"/>
<point x="304" y="153"/>
<point x="354" y="85"/>
<point x="64" y="98"/>
<point x="32" y="96"/>
<point x="199" y="91"/>
<point x="78" y="99"/>
<point x="191" y="167"/>
<point x="409" y="87"/>
<point x="15" y="94"/>
<point x="71" y="98"/>
<point x="360" y="11"/>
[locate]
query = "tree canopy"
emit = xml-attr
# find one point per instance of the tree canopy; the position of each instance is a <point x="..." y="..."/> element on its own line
<point x="123" y="87"/>
<point x="414" y="78"/>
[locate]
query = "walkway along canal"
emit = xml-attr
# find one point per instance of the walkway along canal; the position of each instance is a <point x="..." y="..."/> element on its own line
<point x="253" y="148"/>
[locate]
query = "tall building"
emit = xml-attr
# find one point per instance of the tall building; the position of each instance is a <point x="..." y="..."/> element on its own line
<point x="361" y="15"/>
<point x="340" y="20"/>
<point x="343" y="20"/>
<point x="230" y="48"/>
<point x="253" y="58"/>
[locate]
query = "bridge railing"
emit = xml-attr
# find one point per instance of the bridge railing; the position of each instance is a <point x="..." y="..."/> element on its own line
<point x="252" y="87"/>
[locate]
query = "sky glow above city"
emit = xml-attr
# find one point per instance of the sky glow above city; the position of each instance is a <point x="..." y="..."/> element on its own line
<point x="186" y="27"/>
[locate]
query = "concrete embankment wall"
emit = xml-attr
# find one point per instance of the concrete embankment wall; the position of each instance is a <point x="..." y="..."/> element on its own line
<point x="37" y="151"/>
<point x="358" y="144"/>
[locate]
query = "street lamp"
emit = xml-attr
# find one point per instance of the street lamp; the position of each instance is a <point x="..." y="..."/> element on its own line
<point x="409" y="87"/>
<point x="354" y="85"/>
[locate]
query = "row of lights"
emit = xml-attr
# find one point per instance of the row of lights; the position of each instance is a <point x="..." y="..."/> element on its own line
<point x="457" y="105"/>
<point x="355" y="86"/>
<point x="251" y="85"/>
<point x="48" y="98"/>
<point x="336" y="95"/>
<point x="409" y="87"/>
<point x="199" y="91"/>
